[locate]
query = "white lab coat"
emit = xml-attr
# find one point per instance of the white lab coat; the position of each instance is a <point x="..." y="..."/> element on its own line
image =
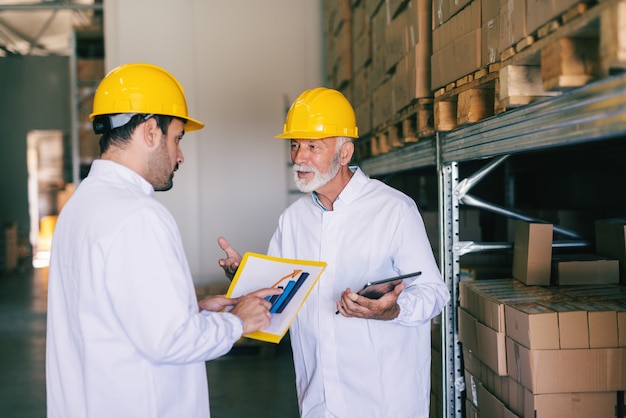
<point x="350" y="367"/>
<point x="124" y="335"/>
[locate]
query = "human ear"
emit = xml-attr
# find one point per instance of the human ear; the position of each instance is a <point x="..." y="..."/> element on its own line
<point x="346" y="152"/>
<point x="152" y="132"/>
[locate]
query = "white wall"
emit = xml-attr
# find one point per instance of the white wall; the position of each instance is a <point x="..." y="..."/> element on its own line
<point x="241" y="64"/>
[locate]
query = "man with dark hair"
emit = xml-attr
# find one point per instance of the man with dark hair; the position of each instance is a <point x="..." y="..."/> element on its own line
<point x="126" y="336"/>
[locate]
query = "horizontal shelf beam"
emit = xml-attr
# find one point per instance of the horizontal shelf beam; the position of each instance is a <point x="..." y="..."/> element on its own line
<point x="590" y="113"/>
<point x="420" y="154"/>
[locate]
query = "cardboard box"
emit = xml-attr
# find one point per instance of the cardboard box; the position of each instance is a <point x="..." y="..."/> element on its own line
<point x="362" y="52"/>
<point x="621" y="324"/>
<point x="360" y="20"/>
<point x="540" y="12"/>
<point x="487" y="345"/>
<point x="444" y="10"/>
<point x="486" y="299"/>
<point x="490" y="23"/>
<point x="378" y="71"/>
<point x="470" y="410"/>
<point x="532" y="253"/>
<point x="611" y="242"/>
<point x="441" y="13"/>
<point x="419" y="20"/>
<point x="592" y="292"/>
<point x="467" y="331"/>
<point x="570" y="405"/>
<point x="382" y="104"/>
<point x="573" y="325"/>
<point x="561" y="371"/>
<point x="90" y="69"/>
<point x="457" y="46"/>
<point x="602" y="324"/>
<point x="492" y="348"/>
<point x="471" y="383"/>
<point x="372" y="6"/>
<point x="360" y="88"/>
<point x="496" y="384"/>
<point x="578" y="269"/>
<point x="394" y="7"/>
<point x="516" y="397"/>
<point x="619" y="306"/>
<point x="512" y="23"/>
<point x="532" y="325"/>
<point x="400" y="85"/>
<point x="396" y="40"/>
<point x="489" y="406"/>
<point x="364" y="117"/>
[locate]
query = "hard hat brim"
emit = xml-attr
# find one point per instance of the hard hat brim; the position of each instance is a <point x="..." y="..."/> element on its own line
<point x="193" y="125"/>
<point x="302" y="135"/>
<point x="310" y="135"/>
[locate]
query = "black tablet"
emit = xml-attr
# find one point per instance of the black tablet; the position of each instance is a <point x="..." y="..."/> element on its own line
<point x="374" y="290"/>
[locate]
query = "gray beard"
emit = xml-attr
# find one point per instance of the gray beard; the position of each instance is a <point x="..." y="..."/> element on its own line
<point x="319" y="180"/>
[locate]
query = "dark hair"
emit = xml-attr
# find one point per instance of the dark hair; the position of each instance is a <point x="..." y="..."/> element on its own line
<point x="119" y="136"/>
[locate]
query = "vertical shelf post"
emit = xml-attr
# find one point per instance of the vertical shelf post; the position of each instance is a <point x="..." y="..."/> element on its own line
<point x="452" y="372"/>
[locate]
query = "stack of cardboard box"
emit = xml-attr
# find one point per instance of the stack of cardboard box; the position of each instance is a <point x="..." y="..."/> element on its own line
<point x="378" y="54"/>
<point x="535" y="347"/>
<point x="385" y="54"/>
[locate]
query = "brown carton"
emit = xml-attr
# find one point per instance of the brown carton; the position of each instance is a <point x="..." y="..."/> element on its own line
<point x="488" y="404"/>
<point x="492" y="348"/>
<point x="578" y="269"/>
<point x="539" y="12"/>
<point x="532" y="253"/>
<point x="467" y="331"/>
<point x="570" y="405"/>
<point x="611" y="242"/>
<point x="532" y="325"/>
<point x="619" y="306"/>
<point x="560" y="371"/>
<point x="512" y="23"/>
<point x="396" y="40"/>
<point x="602" y="323"/>
<point x="573" y="325"/>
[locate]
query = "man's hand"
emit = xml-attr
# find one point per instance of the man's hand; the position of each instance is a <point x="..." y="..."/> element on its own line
<point x="385" y="309"/>
<point x="230" y="264"/>
<point x="216" y="303"/>
<point x="254" y="310"/>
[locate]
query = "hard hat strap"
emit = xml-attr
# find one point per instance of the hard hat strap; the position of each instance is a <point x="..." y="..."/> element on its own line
<point x="106" y="123"/>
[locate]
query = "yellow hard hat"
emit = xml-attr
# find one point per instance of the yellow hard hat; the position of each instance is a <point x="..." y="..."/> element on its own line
<point x="320" y="113"/>
<point x="142" y="88"/>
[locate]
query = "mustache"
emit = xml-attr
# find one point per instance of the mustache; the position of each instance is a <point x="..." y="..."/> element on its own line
<point x="304" y="168"/>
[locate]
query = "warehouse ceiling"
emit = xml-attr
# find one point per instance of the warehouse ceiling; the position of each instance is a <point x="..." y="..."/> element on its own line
<point x="45" y="27"/>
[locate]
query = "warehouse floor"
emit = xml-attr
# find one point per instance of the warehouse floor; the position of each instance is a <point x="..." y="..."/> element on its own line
<point x="251" y="381"/>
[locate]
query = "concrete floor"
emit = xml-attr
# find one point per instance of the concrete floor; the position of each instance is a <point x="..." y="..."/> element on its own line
<point x="248" y="382"/>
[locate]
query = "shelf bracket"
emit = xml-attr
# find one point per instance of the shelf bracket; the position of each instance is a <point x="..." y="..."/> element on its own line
<point x="465" y="185"/>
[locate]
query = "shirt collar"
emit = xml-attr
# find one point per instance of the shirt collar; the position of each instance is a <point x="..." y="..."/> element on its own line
<point x="350" y="192"/>
<point x="115" y="171"/>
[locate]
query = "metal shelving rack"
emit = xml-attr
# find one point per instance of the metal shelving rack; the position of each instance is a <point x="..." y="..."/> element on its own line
<point x="591" y="113"/>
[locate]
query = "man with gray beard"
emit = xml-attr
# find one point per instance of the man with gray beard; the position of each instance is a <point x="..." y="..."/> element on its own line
<point x="353" y="356"/>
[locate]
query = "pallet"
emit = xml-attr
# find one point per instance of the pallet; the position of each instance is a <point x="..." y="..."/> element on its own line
<point x="574" y="49"/>
<point x="410" y="125"/>
<point x="585" y="43"/>
<point x="467" y="100"/>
